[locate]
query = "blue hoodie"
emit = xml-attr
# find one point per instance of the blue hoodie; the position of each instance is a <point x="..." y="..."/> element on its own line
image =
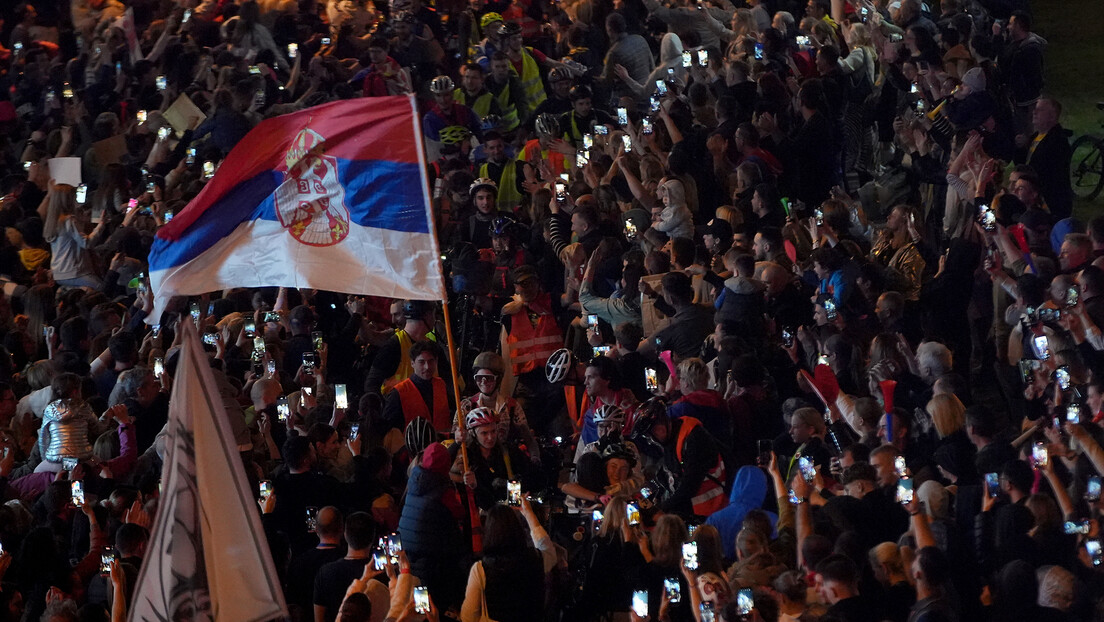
<point x="748" y="492"/>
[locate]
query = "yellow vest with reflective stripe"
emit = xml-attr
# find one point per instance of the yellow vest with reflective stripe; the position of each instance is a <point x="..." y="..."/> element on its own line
<point x="406" y="366"/>
<point x="481" y="105"/>
<point x="531" y="81"/>
<point x="510" y="121"/>
<point x="508" y="196"/>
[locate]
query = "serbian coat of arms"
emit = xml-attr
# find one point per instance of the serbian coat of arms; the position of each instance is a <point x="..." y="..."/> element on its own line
<point x="310" y="202"/>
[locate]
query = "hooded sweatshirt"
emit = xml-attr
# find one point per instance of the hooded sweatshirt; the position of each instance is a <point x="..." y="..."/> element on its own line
<point x="748" y="492"/>
<point x="675" y="220"/>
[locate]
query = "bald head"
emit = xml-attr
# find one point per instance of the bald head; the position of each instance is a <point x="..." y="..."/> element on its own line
<point x="774" y="276"/>
<point x="265" y="392"/>
<point x="331" y="524"/>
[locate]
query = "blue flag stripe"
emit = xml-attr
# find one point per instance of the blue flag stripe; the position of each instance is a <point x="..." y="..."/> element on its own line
<point x="376" y="195"/>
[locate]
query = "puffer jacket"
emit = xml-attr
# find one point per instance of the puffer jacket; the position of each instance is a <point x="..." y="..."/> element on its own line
<point x="68" y="428"/>
<point x="428" y="526"/>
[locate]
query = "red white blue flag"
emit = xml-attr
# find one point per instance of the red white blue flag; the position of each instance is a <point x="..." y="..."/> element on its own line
<point x="334" y="197"/>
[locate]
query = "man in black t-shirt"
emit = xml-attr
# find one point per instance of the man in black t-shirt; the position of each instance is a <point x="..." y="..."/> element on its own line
<point x="334" y="578"/>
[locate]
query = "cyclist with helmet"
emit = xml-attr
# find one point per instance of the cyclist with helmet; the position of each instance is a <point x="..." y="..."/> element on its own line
<point x="507" y="90"/>
<point x="609" y="469"/>
<point x="475" y="229"/>
<point x="488" y="369"/>
<point x="505" y="255"/>
<point x="527" y="63"/>
<point x="491" y="27"/>
<point x="502" y="168"/>
<point x="560" y="82"/>
<point x="392" y="364"/>
<point x="491" y="464"/>
<point x="474" y="94"/>
<point x="583" y="116"/>
<point x="544" y="147"/>
<point x="413" y="46"/>
<point x="603" y="390"/>
<point x="691" y="467"/>
<point x="447" y="118"/>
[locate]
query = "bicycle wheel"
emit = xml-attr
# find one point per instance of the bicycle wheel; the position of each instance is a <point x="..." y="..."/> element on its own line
<point x="1087" y="167"/>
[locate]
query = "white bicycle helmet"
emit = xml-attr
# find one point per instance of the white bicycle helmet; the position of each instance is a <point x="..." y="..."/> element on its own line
<point x="608" y="413"/>
<point x="479" y="417"/>
<point x="441" y="85"/>
<point x="558" y="365"/>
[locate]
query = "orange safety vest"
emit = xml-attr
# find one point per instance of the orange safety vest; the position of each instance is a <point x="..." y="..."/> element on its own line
<point x="414" y="406"/>
<point x="710" y="496"/>
<point x="533" y="154"/>
<point x="530" y="346"/>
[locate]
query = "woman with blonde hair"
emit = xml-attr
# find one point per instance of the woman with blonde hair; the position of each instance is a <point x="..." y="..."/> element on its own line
<point x="948" y="414"/>
<point x="70" y="260"/>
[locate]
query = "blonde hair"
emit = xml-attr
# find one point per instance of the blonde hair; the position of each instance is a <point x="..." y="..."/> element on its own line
<point x="887" y="553"/>
<point x="693" y="375"/>
<point x="948" y="414"/>
<point x="731" y="214"/>
<point x="615" y="513"/>
<point x="567" y="256"/>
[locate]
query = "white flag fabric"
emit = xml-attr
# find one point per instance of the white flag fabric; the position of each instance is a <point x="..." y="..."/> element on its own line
<point x="207" y="558"/>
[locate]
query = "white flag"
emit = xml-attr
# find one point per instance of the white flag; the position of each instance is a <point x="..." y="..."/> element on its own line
<point x="208" y="558"/>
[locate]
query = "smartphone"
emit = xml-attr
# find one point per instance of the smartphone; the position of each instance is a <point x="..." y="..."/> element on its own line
<point x="162" y="134"/>
<point x="208" y="169"/>
<point x="690" y="555"/>
<point x="76" y="493"/>
<point x="992" y="484"/>
<point x="588" y="141"/>
<point x="513" y="493"/>
<point x="673" y="589"/>
<point x="341" y="397"/>
<point x="1093" y="549"/>
<point x="258" y="369"/>
<point x="1092" y="491"/>
<point x="661" y="87"/>
<point x="293" y="50"/>
<point x="596" y="520"/>
<point x="270" y="367"/>
<point x="625" y="140"/>
<point x="131" y="204"/>
<point x="250" y="328"/>
<point x="1042" y="347"/>
<point x="744" y="602"/>
<point x="1062" y="377"/>
<point x="703" y="58"/>
<point x="1072" y="294"/>
<point x="421" y="600"/>
<point x="1039" y="454"/>
<point x="829" y="311"/>
<point x="764" y="448"/>
<point x="653" y="104"/>
<point x="803" y="41"/>
<point x="630" y="230"/>
<point x="640" y="603"/>
<point x="1027" y="369"/>
<point x="82" y="193"/>
<point x="622" y="116"/>
<point x="787" y="338"/>
<point x="987" y="218"/>
<point x="601" y="350"/>
<point x="633" y="512"/>
<point x="865" y="12"/>
<point x="708" y="612"/>
<point x="326" y="40"/>
<point x="258" y="345"/>
<point x="647" y="125"/>
<point x="141" y="116"/>
<point x="354" y="429"/>
<point x="161" y="83"/>
<point x="904" y="491"/>
<point x="265" y="488"/>
<point x="687" y="58"/>
<point x="379" y="558"/>
<point x="310" y="360"/>
<point x="819" y="215"/>
<point x="670" y="73"/>
<point x="107" y="557"/>
<point x="651" y="383"/>
<point x="601" y="130"/>
<point x="312" y="518"/>
<point x="758" y="51"/>
<point x="283" y="410"/>
<point x="561" y="191"/>
<point x="592" y="321"/>
<point x="808" y="471"/>
<point x="900" y="466"/>
<point x="210" y="338"/>
<point x="394" y="547"/>
<point x="272" y="317"/>
<point x="1072" y="528"/>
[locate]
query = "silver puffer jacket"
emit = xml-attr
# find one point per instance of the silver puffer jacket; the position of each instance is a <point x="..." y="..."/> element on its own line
<point x="68" y="426"/>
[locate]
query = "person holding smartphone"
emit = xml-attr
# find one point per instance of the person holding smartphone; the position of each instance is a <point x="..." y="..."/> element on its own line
<point x="488" y="369"/>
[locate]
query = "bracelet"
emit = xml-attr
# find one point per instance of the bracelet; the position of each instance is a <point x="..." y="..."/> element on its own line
<point x="404" y="571"/>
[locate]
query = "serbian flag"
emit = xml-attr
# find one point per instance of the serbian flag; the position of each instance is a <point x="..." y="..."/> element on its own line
<point x="207" y="558"/>
<point x="334" y="197"/>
